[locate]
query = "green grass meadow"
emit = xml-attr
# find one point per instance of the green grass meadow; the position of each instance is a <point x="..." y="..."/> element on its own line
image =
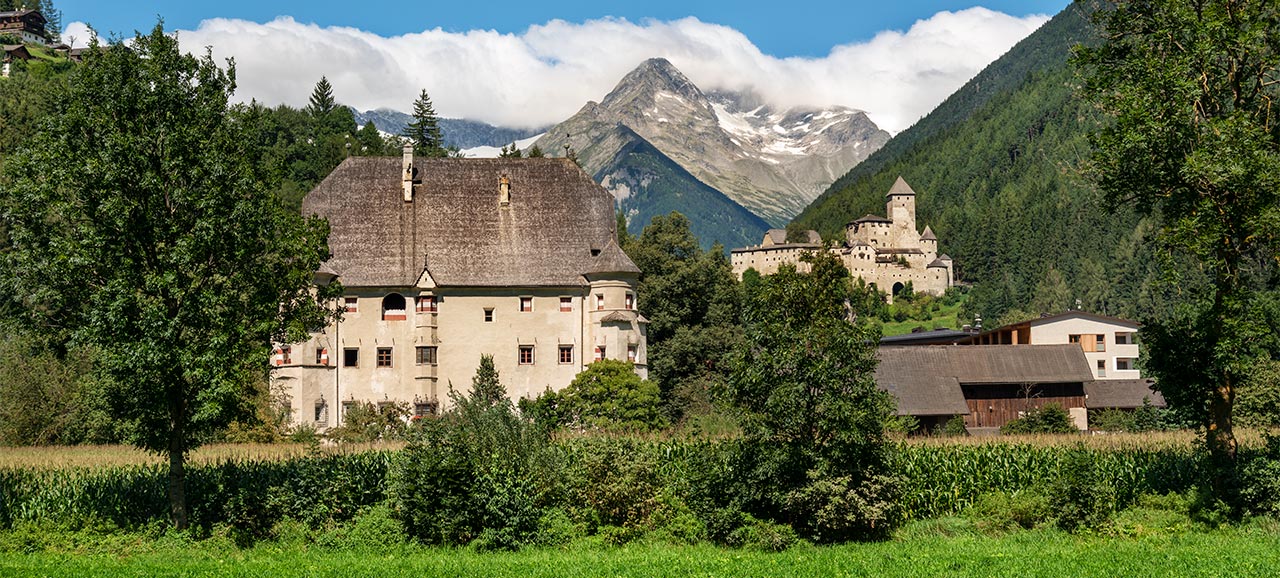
<point x="920" y="550"/>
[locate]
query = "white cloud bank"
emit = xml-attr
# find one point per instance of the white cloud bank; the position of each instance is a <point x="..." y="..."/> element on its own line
<point x="547" y="73"/>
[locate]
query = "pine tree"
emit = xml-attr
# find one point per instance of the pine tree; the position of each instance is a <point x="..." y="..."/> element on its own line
<point x="486" y="388"/>
<point x="535" y="152"/>
<point x="510" y="151"/>
<point x="322" y="101"/>
<point x="424" y="132"/>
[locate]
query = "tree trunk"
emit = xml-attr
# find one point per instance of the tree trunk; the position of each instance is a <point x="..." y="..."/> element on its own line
<point x="177" y="468"/>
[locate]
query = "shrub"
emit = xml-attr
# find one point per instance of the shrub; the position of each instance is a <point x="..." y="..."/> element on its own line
<point x="1003" y="511"/>
<point x="1050" y="418"/>
<point x="1260" y="479"/>
<point x="365" y="421"/>
<point x="608" y="395"/>
<point x="953" y="428"/>
<point x="763" y="535"/>
<point x="1081" y="498"/>
<point x="1111" y="420"/>
<point x="480" y="473"/>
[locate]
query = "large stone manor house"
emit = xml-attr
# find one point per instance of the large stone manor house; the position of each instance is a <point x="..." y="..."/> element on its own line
<point x="443" y="260"/>
<point x="887" y="252"/>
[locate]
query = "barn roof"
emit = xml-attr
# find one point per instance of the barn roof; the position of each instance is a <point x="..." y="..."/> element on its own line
<point x="1121" y="394"/>
<point x="926" y="379"/>
<point x="558" y="226"/>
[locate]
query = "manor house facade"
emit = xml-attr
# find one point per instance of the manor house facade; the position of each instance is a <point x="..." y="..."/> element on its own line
<point x="887" y="252"/>
<point x="443" y="260"/>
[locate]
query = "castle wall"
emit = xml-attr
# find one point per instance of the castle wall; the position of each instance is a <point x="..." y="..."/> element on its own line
<point x="466" y="323"/>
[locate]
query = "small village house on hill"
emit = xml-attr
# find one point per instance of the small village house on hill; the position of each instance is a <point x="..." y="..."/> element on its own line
<point x="887" y="252"/>
<point x="444" y="260"/>
<point x="24" y="25"/>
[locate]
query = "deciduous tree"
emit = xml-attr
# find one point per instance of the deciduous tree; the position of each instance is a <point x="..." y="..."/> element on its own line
<point x="138" y="224"/>
<point x="1193" y="138"/>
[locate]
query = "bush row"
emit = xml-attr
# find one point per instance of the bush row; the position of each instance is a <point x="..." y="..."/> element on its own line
<point x="616" y="488"/>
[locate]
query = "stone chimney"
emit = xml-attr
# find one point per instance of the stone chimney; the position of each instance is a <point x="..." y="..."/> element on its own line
<point x="408" y="173"/>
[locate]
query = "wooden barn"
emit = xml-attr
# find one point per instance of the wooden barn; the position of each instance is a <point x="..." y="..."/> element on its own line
<point x="987" y="384"/>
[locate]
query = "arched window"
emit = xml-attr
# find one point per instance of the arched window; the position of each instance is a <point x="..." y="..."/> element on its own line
<point x="393" y="308"/>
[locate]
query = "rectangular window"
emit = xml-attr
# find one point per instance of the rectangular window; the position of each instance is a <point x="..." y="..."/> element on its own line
<point x="599" y="301"/>
<point x="346" y="409"/>
<point x="566" y="304"/>
<point x="423" y="409"/>
<point x="1124" y="338"/>
<point x="351" y="357"/>
<point x="322" y="411"/>
<point x="488" y="315"/>
<point x="426" y="304"/>
<point x="322" y="356"/>
<point x="599" y="352"/>
<point x="1102" y="368"/>
<point x="1100" y="342"/>
<point x="384" y="357"/>
<point x="286" y="353"/>
<point x="526" y="355"/>
<point x="1073" y="339"/>
<point x="426" y="355"/>
<point x="1124" y="363"/>
<point x="526" y="304"/>
<point x="632" y="351"/>
<point x="630" y="302"/>
<point x="349" y="304"/>
<point x="566" y="354"/>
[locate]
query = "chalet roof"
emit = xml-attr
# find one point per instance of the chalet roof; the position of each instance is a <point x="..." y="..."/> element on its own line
<point x="21" y="14"/>
<point x="926" y="379"/>
<point x="928" y="234"/>
<point x="12" y="51"/>
<point x="556" y="218"/>
<point x="900" y="187"/>
<point x="1121" y="394"/>
<point x="1084" y="314"/>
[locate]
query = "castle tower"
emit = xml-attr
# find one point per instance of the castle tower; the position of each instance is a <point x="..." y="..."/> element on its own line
<point x="901" y="205"/>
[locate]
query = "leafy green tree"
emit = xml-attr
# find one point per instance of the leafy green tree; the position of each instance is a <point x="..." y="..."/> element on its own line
<point x="1050" y="418"/>
<point x="691" y="299"/>
<point x="1193" y="140"/>
<point x="138" y="225"/>
<point x="424" y="132"/>
<point x="813" y="419"/>
<point x="321" y="102"/>
<point x="607" y="395"/>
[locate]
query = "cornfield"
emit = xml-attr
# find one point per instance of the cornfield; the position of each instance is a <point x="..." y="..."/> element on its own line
<point x="257" y="486"/>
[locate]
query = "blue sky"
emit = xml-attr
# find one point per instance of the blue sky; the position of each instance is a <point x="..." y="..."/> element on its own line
<point x="778" y="28"/>
<point x="536" y="62"/>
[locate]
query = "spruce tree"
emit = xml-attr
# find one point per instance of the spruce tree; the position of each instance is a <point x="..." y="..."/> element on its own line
<point x="486" y="388"/>
<point x="424" y="132"/>
<point x="322" y="101"/>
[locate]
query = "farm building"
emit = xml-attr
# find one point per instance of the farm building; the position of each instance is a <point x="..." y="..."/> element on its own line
<point x="989" y="385"/>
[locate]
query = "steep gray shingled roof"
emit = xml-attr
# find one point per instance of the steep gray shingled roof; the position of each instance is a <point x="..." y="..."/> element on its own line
<point x="926" y="379"/>
<point x="556" y="217"/>
<point x="900" y="187"/>
<point x="1121" y="393"/>
<point x="778" y="236"/>
<point x="928" y="234"/>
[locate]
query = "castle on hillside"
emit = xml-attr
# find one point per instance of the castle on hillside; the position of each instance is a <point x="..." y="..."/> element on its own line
<point x="887" y="252"/>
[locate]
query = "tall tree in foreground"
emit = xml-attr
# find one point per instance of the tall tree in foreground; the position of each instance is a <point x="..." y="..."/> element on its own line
<point x="137" y="224"/>
<point x="1194" y="138"/>
<point x="813" y="419"/>
<point x="321" y="101"/>
<point x="424" y="132"/>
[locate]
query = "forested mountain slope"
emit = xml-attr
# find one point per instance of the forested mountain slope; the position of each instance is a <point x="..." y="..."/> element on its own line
<point x="996" y="172"/>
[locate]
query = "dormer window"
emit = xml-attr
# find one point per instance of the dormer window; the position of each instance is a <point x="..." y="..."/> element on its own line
<point x="393" y="308"/>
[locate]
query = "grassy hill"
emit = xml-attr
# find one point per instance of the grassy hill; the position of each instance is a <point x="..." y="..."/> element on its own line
<point x="995" y="168"/>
